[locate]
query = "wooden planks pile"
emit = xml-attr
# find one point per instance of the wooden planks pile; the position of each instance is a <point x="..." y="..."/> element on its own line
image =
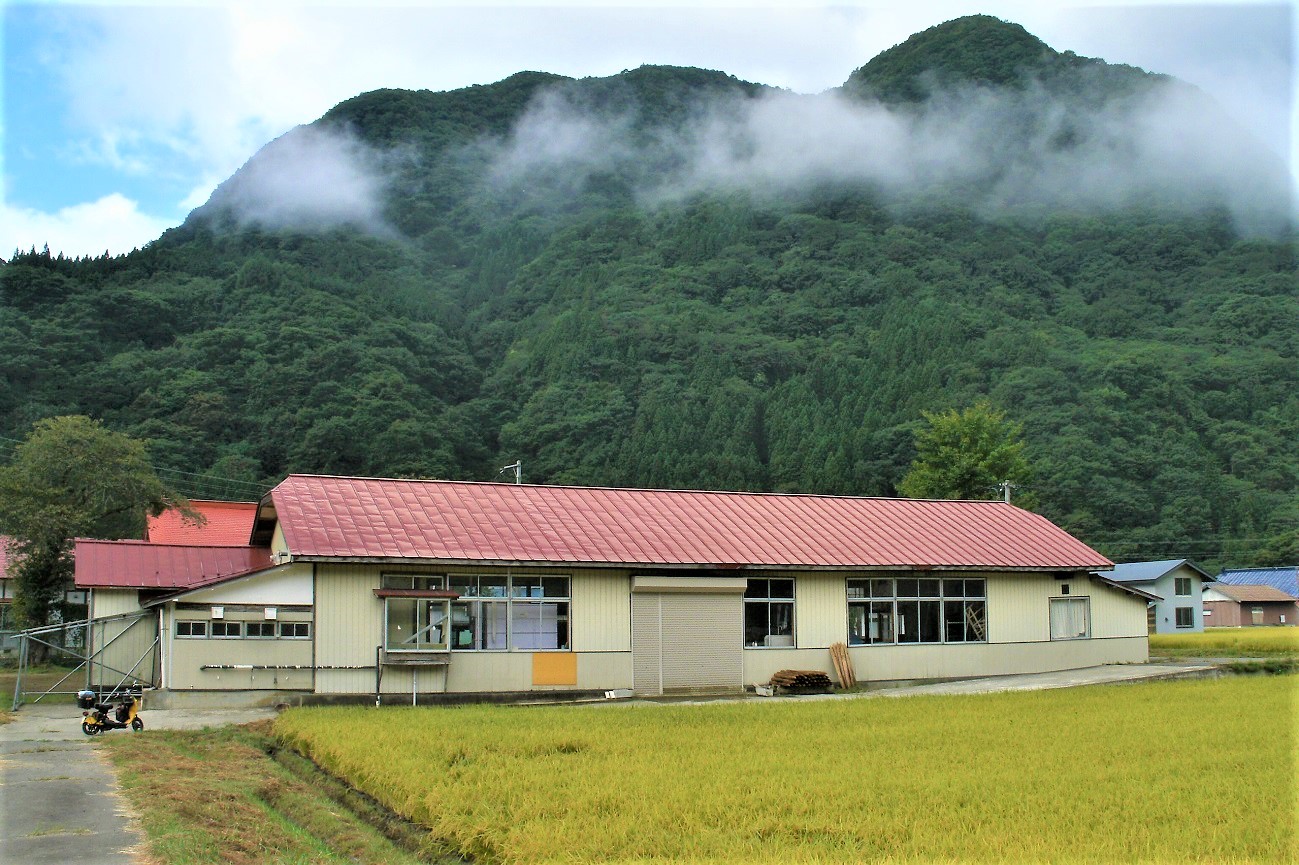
<point x="842" y="665"/>
<point x="802" y="680"/>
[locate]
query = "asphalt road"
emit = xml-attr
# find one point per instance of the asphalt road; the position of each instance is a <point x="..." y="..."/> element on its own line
<point x="59" y="801"/>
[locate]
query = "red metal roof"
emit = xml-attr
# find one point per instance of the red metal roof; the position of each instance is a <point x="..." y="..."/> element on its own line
<point x="141" y="565"/>
<point x="460" y="521"/>
<point x="229" y="524"/>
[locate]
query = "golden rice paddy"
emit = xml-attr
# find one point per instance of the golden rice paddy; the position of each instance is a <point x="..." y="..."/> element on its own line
<point x="1261" y="642"/>
<point x="1188" y="771"/>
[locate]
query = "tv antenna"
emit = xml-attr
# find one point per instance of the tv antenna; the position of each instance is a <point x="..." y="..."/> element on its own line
<point x="518" y="471"/>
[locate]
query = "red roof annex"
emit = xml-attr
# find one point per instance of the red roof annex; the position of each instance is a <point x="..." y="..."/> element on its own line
<point x="141" y="565"/>
<point x="229" y="524"/>
<point x="344" y="517"/>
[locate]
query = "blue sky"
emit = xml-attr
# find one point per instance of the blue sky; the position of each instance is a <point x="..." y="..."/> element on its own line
<point x="118" y="120"/>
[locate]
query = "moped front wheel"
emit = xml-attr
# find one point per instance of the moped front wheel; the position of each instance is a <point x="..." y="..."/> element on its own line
<point x="137" y="725"/>
<point x="88" y="728"/>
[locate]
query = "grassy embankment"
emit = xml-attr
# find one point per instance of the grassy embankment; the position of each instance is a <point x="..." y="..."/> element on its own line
<point x="1228" y="643"/>
<point x="1057" y="776"/>
<point x="222" y="797"/>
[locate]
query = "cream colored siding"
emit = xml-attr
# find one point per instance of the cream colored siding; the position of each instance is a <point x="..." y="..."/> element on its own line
<point x="189" y="656"/>
<point x="820" y="610"/>
<point x="600" y="615"/>
<point x="123" y="648"/>
<point x="1116" y="613"/>
<point x="278" y="545"/>
<point x="1018" y="606"/>
<point x="349" y="627"/>
<point x="111" y="602"/>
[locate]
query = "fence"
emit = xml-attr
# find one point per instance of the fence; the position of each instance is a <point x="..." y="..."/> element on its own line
<point x="114" y="652"/>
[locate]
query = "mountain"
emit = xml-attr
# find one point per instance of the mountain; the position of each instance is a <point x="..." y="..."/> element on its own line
<point x="674" y="278"/>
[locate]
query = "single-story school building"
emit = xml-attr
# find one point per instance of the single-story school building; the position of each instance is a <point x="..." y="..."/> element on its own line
<point x="364" y="586"/>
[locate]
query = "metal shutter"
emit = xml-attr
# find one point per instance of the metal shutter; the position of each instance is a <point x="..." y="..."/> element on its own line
<point x="687" y="641"/>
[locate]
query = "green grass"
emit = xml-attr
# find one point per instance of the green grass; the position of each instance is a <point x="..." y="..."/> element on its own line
<point x="1170" y="772"/>
<point x="217" y="797"/>
<point x="1228" y="643"/>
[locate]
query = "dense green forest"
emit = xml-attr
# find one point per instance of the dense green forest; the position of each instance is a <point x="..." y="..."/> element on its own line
<point x="607" y="317"/>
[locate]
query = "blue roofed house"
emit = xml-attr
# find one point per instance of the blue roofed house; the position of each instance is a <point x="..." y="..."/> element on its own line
<point x="1178" y="585"/>
<point x="1286" y="579"/>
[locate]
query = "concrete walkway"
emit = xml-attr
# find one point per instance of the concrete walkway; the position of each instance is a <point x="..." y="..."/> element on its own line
<point x="1106" y="675"/>
<point x="59" y="800"/>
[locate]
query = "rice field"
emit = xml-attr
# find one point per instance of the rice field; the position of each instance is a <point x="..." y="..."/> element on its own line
<point x="1187" y="771"/>
<point x="1228" y="643"/>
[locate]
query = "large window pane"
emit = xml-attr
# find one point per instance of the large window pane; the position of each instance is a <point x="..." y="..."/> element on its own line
<point x="538" y="625"/>
<point x="930" y="617"/>
<point x="416" y="624"/>
<point x="954" y="621"/>
<point x="908" y="621"/>
<point x="782" y="588"/>
<point x="929" y="588"/>
<point x="859" y="588"/>
<point x="857" y="617"/>
<point x="881" y="622"/>
<point x="908" y="588"/>
<point x="882" y="588"/>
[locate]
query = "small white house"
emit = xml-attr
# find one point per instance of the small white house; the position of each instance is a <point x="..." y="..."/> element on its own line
<point x="1178" y="589"/>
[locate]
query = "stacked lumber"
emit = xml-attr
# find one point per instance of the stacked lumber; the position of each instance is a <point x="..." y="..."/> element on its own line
<point x="842" y="665"/>
<point x="803" y="680"/>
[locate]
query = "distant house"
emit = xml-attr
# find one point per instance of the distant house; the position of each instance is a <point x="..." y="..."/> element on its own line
<point x="1232" y="606"/>
<point x="365" y="586"/>
<point x="225" y="524"/>
<point x="1286" y="579"/>
<point x="7" y="626"/>
<point x="1178" y="586"/>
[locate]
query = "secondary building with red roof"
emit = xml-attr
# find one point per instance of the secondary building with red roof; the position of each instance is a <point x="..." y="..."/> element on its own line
<point x="223" y="524"/>
<point x="403" y="588"/>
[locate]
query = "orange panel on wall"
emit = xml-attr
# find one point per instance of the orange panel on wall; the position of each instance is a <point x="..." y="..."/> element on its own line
<point x="554" y="668"/>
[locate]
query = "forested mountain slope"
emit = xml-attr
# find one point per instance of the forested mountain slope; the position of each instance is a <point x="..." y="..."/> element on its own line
<point x="671" y="277"/>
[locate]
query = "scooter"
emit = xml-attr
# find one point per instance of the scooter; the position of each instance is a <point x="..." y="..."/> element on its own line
<point x="109" y="714"/>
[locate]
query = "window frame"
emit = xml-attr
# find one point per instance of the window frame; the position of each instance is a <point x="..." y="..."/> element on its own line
<point x="770" y="600"/>
<point x="192" y="623"/>
<point x="1083" y="601"/>
<point x="225" y="624"/>
<point x="922" y="593"/>
<point x="514" y="596"/>
<point x="1178" y="583"/>
<point x="260" y="626"/>
<point x="282" y="626"/>
<point x="1190" y="616"/>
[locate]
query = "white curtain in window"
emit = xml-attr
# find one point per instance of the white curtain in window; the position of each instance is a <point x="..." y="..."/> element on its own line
<point x="1068" y="618"/>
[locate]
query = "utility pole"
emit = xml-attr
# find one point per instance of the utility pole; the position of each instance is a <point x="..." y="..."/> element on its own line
<point x="518" y="471"/>
<point x="1006" y="487"/>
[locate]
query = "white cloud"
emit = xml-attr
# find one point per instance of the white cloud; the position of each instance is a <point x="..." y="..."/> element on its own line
<point x="113" y="224"/>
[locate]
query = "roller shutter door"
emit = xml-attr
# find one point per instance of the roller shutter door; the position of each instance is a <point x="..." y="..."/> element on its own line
<point x="687" y="641"/>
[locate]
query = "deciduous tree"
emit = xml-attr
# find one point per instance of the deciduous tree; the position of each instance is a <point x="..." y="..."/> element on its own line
<point x="966" y="455"/>
<point x="71" y="478"/>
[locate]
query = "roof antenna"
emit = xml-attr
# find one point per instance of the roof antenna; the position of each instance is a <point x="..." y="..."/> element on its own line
<point x="518" y="471"/>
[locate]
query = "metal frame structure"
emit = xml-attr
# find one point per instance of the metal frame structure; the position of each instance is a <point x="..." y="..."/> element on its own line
<point x="90" y="660"/>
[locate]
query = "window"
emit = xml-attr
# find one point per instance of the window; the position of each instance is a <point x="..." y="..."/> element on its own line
<point x="539" y="613"/>
<point x="295" y="630"/>
<point x="222" y="628"/>
<point x="1182" y="585"/>
<point x="493" y="613"/>
<point x="913" y="610"/>
<point x="1070" y="618"/>
<point x="769" y="613"/>
<point x="1185" y="617"/>
<point x="259" y="630"/>
<point x="416" y="624"/>
<point x="191" y="629"/>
